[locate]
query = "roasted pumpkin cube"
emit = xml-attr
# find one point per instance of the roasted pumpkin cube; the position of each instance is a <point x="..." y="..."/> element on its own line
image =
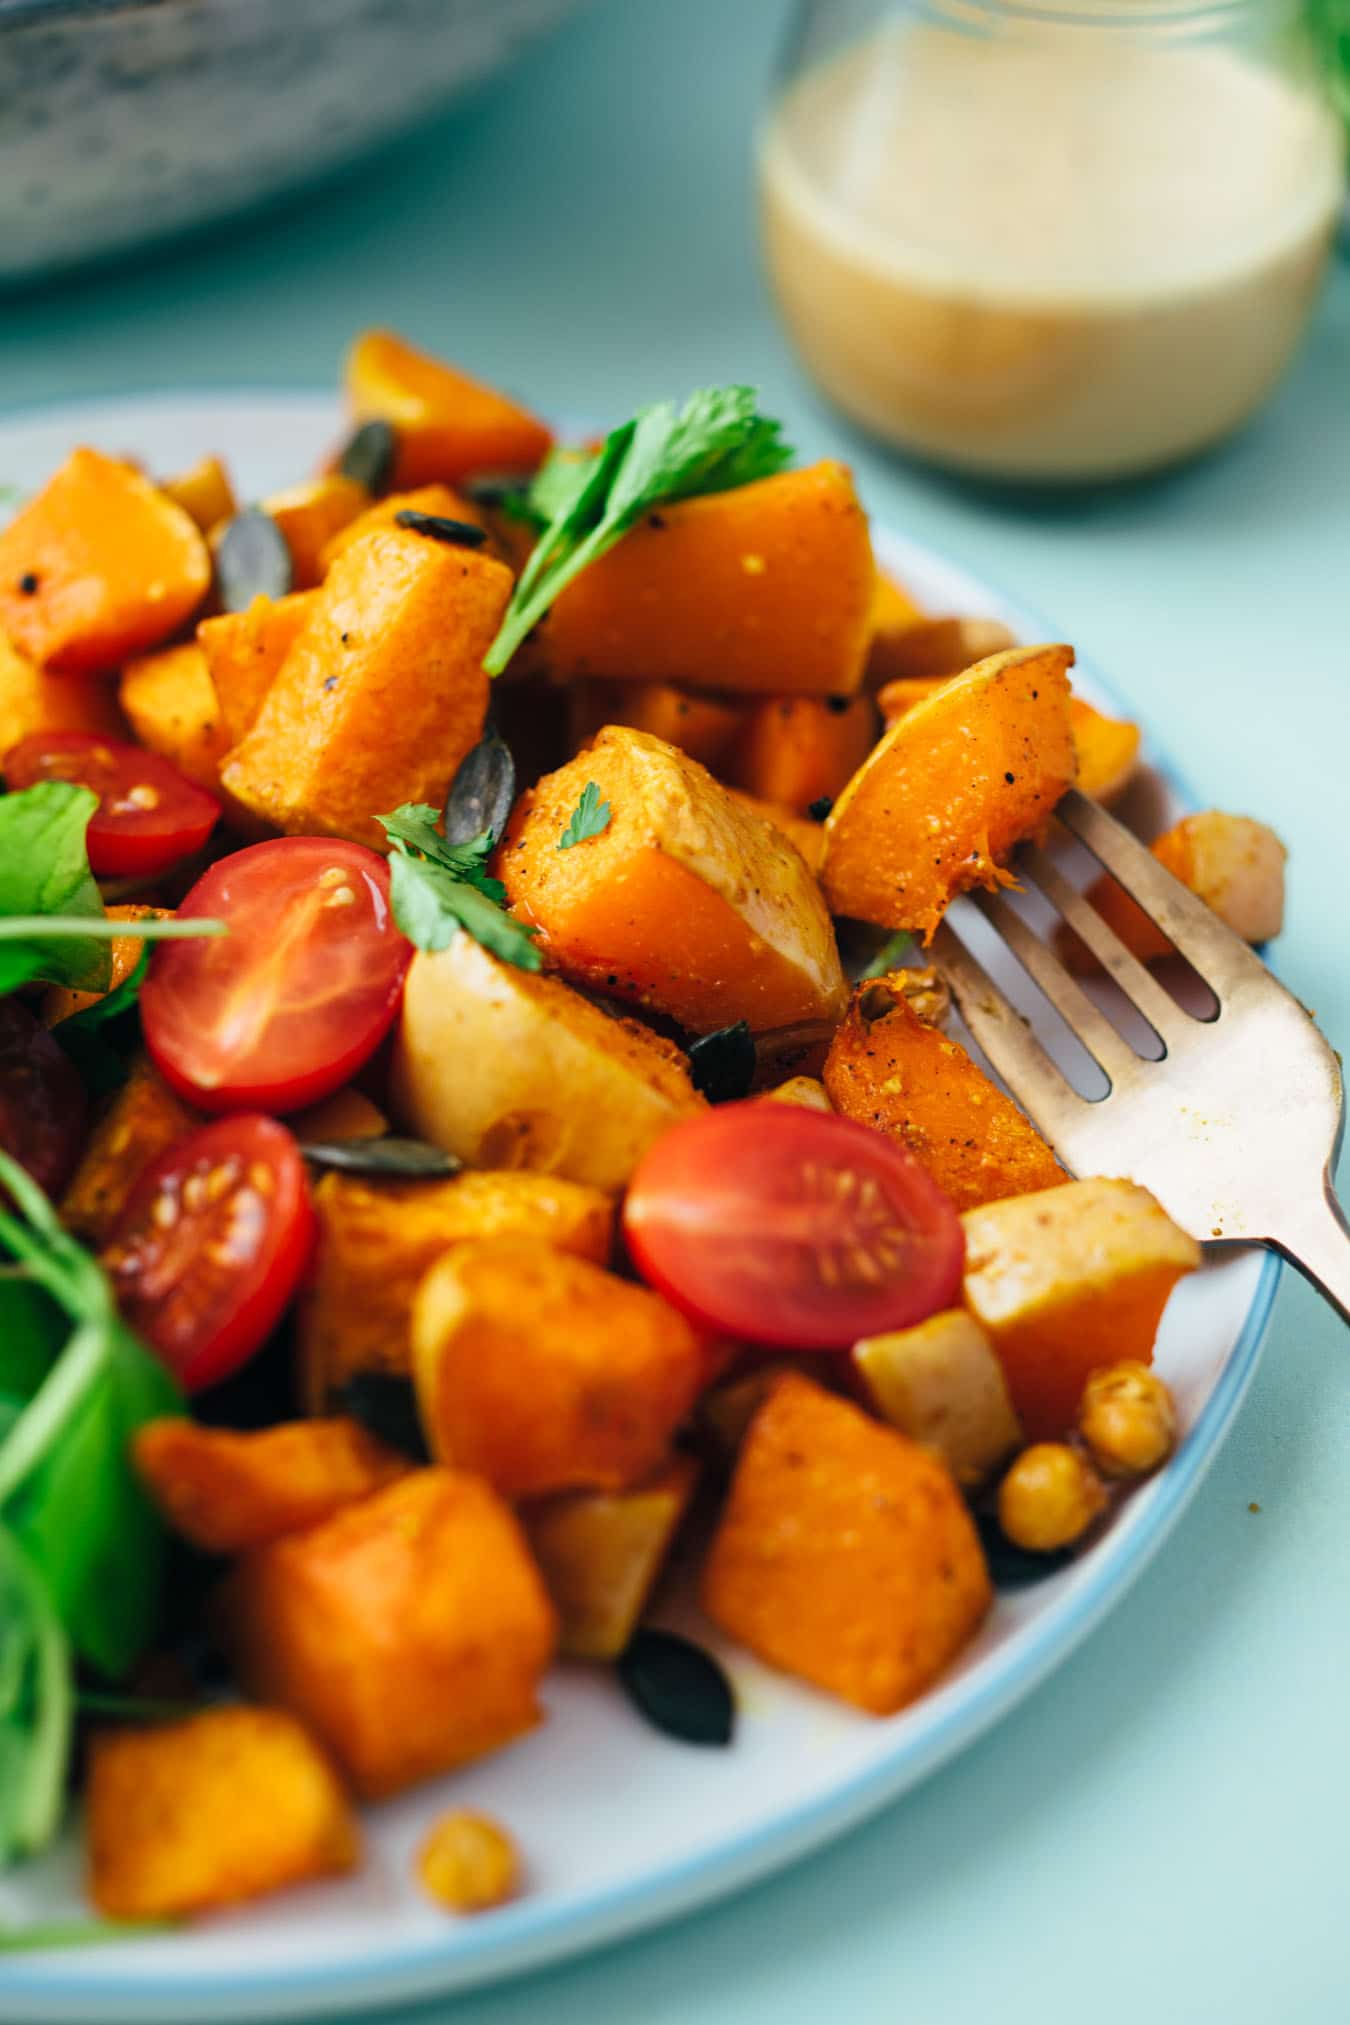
<point x="31" y="700"/>
<point x="190" y="1816"/>
<point x="1232" y="863"/>
<point x="347" y="1114"/>
<point x="907" y="692"/>
<point x="408" y="1633"/>
<point x="310" y="515"/>
<point x="933" y="649"/>
<point x="144" y="1119"/>
<point x="449" y="426"/>
<point x="845" y="1553"/>
<point x="892" y="1069"/>
<point x="1106" y="749"/>
<point x="704" y="727"/>
<point x="950" y="789"/>
<point x="557" y="1086"/>
<point x="1068" y="1280"/>
<point x="440" y="500"/>
<point x="60" y="1001"/>
<point x="941" y="1384"/>
<point x="894" y="613"/>
<point x="600" y="1553"/>
<point x="797" y="750"/>
<point x="98" y="566"/>
<point x="378" y="1238"/>
<point x="543" y="1373"/>
<point x="685" y="902"/>
<point x="245" y="649"/>
<point x="382" y="693"/>
<point x="762" y="589"/>
<point x="204" y="492"/>
<point x="171" y="704"/>
<point x="226" y="1492"/>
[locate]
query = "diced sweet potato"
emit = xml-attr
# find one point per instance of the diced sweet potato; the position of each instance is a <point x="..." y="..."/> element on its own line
<point x="449" y="426"/>
<point x="557" y="1085"/>
<point x="227" y="1492"/>
<point x="685" y="902"/>
<point x="600" y="1553"/>
<point x="802" y="833"/>
<point x="310" y="515"/>
<point x="894" y="613"/>
<point x="409" y="1633"/>
<point x="31" y="700"/>
<point x="224" y="1806"/>
<point x="1232" y="863"/>
<point x="245" y="649"/>
<point x="704" y="727"/>
<point x="1106" y="748"/>
<point x="144" y="1119"/>
<point x="378" y="1238"/>
<point x="171" y="704"/>
<point x="845" y="1553"/>
<point x="895" y="1071"/>
<point x="347" y="1114"/>
<point x="60" y="1001"/>
<point x="941" y="1384"/>
<point x="436" y="499"/>
<point x="764" y="589"/>
<point x="935" y="648"/>
<point x="1068" y="1280"/>
<point x="952" y="786"/>
<point x="381" y="695"/>
<point x="98" y="566"/>
<point x="796" y="750"/>
<point x="542" y="1373"/>
<point x="204" y="492"/>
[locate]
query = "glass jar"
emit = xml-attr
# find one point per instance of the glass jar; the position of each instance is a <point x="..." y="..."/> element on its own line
<point x="1070" y="240"/>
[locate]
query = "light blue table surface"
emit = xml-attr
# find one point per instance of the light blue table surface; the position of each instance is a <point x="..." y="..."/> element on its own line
<point x="1162" y="1832"/>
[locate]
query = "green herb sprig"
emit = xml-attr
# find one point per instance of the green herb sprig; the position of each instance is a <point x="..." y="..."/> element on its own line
<point x="589" y="818"/>
<point x="439" y="888"/>
<point x="716" y="441"/>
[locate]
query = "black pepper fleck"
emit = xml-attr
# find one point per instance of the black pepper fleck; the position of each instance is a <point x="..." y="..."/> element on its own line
<point x="330" y="681"/>
<point x="838" y="704"/>
<point x="28" y="583"/>
<point x="1010" y="778"/>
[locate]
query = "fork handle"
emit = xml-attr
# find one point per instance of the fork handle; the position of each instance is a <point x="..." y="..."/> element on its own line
<point x="1318" y="1243"/>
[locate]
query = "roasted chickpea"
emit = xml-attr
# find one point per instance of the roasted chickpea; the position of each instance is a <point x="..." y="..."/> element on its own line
<point x="468" y="1862"/>
<point x="1049" y="1497"/>
<point x="1127" y="1419"/>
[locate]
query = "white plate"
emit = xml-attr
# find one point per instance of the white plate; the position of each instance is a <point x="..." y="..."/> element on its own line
<point x="621" y="1828"/>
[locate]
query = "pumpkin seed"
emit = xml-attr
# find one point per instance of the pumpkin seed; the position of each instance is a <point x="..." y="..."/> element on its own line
<point x="482" y="792"/>
<point x="440" y="527"/>
<point x="252" y="560"/>
<point x="678" y="1687"/>
<point x="386" y="1155"/>
<point x="722" y="1064"/>
<point x="386" y="1406"/>
<point x="370" y="454"/>
<point x="820" y="808"/>
<point x="1012" y="1567"/>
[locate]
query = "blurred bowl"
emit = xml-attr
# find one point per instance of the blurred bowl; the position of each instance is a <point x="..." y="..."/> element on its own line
<point x="125" y="121"/>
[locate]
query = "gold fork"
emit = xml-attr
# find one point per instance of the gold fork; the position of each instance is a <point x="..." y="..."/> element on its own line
<point x="1235" y="1126"/>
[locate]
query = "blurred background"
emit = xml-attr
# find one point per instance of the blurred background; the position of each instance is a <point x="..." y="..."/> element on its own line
<point x="581" y="227"/>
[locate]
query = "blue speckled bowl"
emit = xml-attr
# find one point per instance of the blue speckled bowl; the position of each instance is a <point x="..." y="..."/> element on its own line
<point x="123" y="121"/>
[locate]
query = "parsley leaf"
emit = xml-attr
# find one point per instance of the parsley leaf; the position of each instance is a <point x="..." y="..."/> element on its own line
<point x="439" y="888"/>
<point x="589" y="818"/>
<point x="716" y="441"/>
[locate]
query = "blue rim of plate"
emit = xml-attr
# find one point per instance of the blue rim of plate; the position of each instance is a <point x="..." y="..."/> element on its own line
<point x="525" y="1937"/>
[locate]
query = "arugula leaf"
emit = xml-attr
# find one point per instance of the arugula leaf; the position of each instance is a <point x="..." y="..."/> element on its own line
<point x="78" y="1933"/>
<point x="716" y="441"/>
<point x="888" y="956"/>
<point x="35" y="1706"/>
<point x="589" y="818"/>
<point x="439" y="888"/>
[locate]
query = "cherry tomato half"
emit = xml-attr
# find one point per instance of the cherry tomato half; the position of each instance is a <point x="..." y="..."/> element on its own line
<point x="289" y="1004"/>
<point x="792" y="1228"/>
<point x="149" y="815"/>
<point x="42" y="1100"/>
<point x="211" y="1246"/>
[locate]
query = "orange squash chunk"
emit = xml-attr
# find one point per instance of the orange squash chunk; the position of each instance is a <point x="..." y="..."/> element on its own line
<point x="408" y="1633"/>
<point x="245" y="649"/>
<point x="935" y="649"/>
<point x="906" y="691"/>
<point x="204" y="492"/>
<point x="686" y="901"/>
<point x="906" y="1078"/>
<point x="31" y="700"/>
<point x="845" y="1553"/>
<point x="1066" y="1281"/>
<point x="1233" y="863"/>
<point x="144" y="1120"/>
<point x="449" y="426"/>
<point x="764" y="589"/>
<point x="1107" y="750"/>
<point x="796" y="750"/>
<point x="950" y="789"/>
<point x="98" y="566"/>
<point x="171" y="704"/>
<point x="894" y="614"/>
<point x="437" y="499"/>
<point x="381" y="695"/>
<point x="310" y="515"/>
<point x="704" y="727"/>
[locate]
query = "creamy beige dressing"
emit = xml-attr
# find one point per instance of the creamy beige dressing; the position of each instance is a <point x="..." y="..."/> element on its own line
<point x="1060" y="254"/>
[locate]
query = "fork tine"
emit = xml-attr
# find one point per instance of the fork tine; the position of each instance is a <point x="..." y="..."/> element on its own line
<point x="1139" y="985"/>
<point x="1012" y="1048"/>
<point x="1071" y="1002"/>
<point x="1221" y="957"/>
